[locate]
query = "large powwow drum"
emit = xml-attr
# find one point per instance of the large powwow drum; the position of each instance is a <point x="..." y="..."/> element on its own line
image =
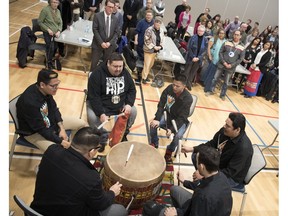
<point x="141" y="177"/>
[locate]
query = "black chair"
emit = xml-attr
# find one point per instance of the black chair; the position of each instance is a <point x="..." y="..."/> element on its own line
<point x="38" y="46"/>
<point x="257" y="164"/>
<point x="28" y="211"/>
<point x="18" y="138"/>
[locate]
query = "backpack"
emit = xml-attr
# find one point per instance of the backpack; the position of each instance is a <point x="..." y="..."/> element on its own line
<point x="158" y="82"/>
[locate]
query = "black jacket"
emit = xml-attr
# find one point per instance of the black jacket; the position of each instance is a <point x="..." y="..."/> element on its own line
<point x="177" y="108"/>
<point x="67" y="184"/>
<point x="27" y="37"/>
<point x="236" y="156"/>
<point x="38" y="113"/>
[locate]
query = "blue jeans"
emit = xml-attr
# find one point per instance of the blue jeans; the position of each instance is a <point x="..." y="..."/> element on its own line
<point x="154" y="135"/>
<point x="209" y="75"/>
<point x="227" y="76"/>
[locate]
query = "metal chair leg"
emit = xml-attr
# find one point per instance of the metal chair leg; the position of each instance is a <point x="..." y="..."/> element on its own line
<point x="243" y="203"/>
<point x="12" y="149"/>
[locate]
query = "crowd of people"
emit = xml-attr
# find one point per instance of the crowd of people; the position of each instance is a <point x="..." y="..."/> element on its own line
<point x="67" y="183"/>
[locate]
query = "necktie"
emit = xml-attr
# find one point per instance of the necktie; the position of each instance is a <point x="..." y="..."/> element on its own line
<point x="107" y="27"/>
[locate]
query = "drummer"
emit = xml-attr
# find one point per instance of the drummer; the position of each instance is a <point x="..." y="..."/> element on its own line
<point x="176" y="101"/>
<point x="111" y="91"/>
<point x="68" y="184"/>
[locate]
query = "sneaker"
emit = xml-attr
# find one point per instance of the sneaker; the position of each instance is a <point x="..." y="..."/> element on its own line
<point x="124" y="139"/>
<point x="147" y="79"/>
<point x="222" y="98"/>
<point x="208" y="93"/>
<point x="144" y="81"/>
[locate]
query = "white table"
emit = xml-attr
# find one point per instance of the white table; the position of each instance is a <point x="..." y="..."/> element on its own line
<point x="79" y="34"/>
<point x="275" y="124"/>
<point x="170" y="53"/>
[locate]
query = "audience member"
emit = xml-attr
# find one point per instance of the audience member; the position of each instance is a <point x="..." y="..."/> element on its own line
<point x="90" y="8"/>
<point x="225" y="24"/>
<point x="231" y="27"/>
<point x="256" y="27"/>
<point x="141" y="27"/>
<point x="257" y="69"/>
<point x="130" y="8"/>
<point x="235" y="149"/>
<point x="250" y="52"/>
<point x="249" y="27"/>
<point x="231" y="54"/>
<point x="50" y="22"/>
<point x="213" y="196"/>
<point x="39" y="118"/>
<point x="264" y="34"/>
<point x="106" y="32"/>
<point x="142" y="12"/>
<point x="208" y="29"/>
<point x="179" y="9"/>
<point x="251" y="36"/>
<point x="213" y="50"/>
<point x="111" y="91"/>
<point x="77" y="7"/>
<point x="184" y="21"/>
<point x="153" y="39"/>
<point x="206" y="13"/>
<point x="203" y="20"/>
<point x="242" y="29"/>
<point x="68" y="184"/>
<point x="117" y="13"/>
<point x="176" y="101"/>
<point x="197" y="46"/>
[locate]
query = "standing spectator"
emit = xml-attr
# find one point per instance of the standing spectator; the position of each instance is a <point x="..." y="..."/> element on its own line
<point x="130" y="8"/>
<point x="242" y="29"/>
<point x="213" y="196"/>
<point x="39" y="117"/>
<point x="141" y="27"/>
<point x="111" y="91"/>
<point x="203" y="20"/>
<point x="90" y="8"/>
<point x="213" y="50"/>
<point x="117" y="13"/>
<point x="77" y="6"/>
<point x="235" y="149"/>
<point x="176" y="101"/>
<point x="196" y="48"/>
<point x="226" y="23"/>
<point x="50" y="22"/>
<point x="142" y="12"/>
<point x="273" y="38"/>
<point x="106" y="32"/>
<point x="153" y="39"/>
<point x="68" y="184"/>
<point x="179" y="9"/>
<point x="250" y="52"/>
<point x="256" y="26"/>
<point x="206" y="13"/>
<point x="217" y="24"/>
<point x="184" y="21"/>
<point x="249" y="27"/>
<point x="251" y="37"/>
<point x="257" y="69"/>
<point x="231" y="54"/>
<point x="264" y="34"/>
<point x="231" y="27"/>
<point x="208" y="29"/>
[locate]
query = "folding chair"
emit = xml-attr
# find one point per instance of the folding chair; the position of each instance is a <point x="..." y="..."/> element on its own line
<point x="18" y="138"/>
<point x="28" y="211"/>
<point x="257" y="164"/>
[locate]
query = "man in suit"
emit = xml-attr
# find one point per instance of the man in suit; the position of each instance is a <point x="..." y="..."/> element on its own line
<point x="130" y="8"/>
<point x="106" y="31"/>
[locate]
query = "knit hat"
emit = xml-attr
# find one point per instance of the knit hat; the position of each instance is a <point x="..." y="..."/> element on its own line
<point x="158" y="19"/>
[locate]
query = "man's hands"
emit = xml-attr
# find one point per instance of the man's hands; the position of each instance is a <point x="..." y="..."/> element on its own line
<point x="170" y="211"/>
<point x="154" y="124"/>
<point x="116" y="188"/>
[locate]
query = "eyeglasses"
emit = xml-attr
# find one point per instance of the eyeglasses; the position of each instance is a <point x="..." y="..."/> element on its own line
<point x="55" y="86"/>
<point x="111" y="7"/>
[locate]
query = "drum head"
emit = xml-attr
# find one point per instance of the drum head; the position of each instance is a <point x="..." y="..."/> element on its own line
<point x="144" y="167"/>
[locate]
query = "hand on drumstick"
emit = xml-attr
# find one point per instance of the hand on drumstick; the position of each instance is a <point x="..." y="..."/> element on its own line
<point x="126" y="109"/>
<point x="170" y="211"/>
<point x="104" y="117"/>
<point x="180" y="177"/>
<point x="154" y="124"/>
<point x="116" y="188"/>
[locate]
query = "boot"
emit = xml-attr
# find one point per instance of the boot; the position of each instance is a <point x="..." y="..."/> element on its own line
<point x="168" y="156"/>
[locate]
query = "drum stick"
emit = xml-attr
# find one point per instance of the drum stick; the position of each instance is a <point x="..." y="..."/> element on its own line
<point x="103" y="123"/>
<point x="176" y="129"/>
<point x="165" y="119"/>
<point x="128" y="206"/>
<point x="129" y="153"/>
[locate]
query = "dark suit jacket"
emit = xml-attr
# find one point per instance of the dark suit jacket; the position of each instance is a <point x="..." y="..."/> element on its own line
<point x="99" y="30"/>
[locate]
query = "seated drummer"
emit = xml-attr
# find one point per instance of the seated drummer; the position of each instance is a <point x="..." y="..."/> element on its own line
<point x="176" y="101"/>
<point x="211" y="197"/>
<point x="68" y="184"/>
<point x="111" y="91"/>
